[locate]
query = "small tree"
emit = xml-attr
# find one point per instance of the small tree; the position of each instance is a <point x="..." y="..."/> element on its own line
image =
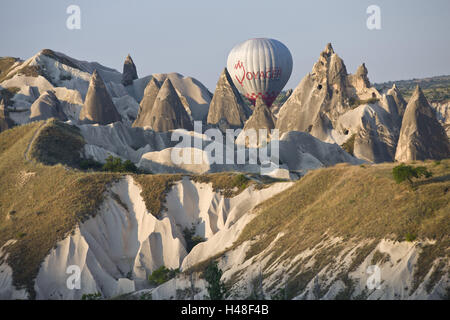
<point x="404" y="172"/>
<point x="116" y="165"/>
<point x="91" y="296"/>
<point x="161" y="275"/>
<point x="191" y="239"/>
<point x="216" y="287"/>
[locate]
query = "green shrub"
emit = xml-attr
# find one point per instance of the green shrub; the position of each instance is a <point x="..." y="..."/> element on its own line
<point x="349" y="145"/>
<point x="129" y="166"/>
<point x="161" y="275"/>
<point x="191" y="239"/>
<point x="240" y="181"/>
<point x="91" y="296"/>
<point x="86" y="164"/>
<point x="410" y="237"/>
<point x="216" y="288"/>
<point x="404" y="172"/>
<point x="279" y="295"/>
<point x="146" y="296"/>
<point x="114" y="164"/>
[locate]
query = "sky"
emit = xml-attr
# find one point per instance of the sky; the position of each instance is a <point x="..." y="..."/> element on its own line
<point x="194" y="37"/>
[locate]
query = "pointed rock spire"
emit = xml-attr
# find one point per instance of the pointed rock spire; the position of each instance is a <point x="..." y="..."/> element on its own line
<point x="328" y="51"/>
<point x="129" y="71"/>
<point x="47" y="106"/>
<point x="398" y="98"/>
<point x="98" y="106"/>
<point x="227" y="109"/>
<point x="362" y="73"/>
<point x="319" y="97"/>
<point x="168" y="112"/>
<point x="262" y="117"/>
<point x="147" y="102"/>
<point x="330" y="69"/>
<point x="421" y="136"/>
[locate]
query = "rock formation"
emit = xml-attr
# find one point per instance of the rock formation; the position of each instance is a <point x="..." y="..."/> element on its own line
<point x="98" y="106"/>
<point x="129" y="71"/>
<point x="398" y="98"/>
<point x="360" y="78"/>
<point x="168" y="112"/>
<point x="227" y="109"/>
<point x="261" y="118"/>
<point x="5" y="122"/>
<point x="421" y="136"/>
<point x="443" y="115"/>
<point x="147" y="102"/>
<point x="323" y="95"/>
<point x="47" y="106"/>
<point x="343" y="108"/>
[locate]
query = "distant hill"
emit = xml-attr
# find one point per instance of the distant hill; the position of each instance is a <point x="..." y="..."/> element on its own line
<point x="436" y="89"/>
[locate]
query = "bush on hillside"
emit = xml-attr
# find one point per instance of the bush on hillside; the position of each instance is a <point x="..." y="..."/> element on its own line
<point x="91" y="296"/>
<point x="191" y="239"/>
<point x="161" y="275"/>
<point x="86" y="164"/>
<point x="216" y="288"/>
<point x="114" y="164"/>
<point x="404" y="172"/>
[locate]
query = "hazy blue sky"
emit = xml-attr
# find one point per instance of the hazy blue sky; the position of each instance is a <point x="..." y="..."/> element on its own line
<point x="193" y="37"/>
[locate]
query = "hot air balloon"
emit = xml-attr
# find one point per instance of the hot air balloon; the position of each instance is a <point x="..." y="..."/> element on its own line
<point x="260" y="67"/>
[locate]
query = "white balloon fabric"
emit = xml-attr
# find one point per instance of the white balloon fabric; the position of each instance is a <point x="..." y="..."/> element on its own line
<point x="260" y="67"/>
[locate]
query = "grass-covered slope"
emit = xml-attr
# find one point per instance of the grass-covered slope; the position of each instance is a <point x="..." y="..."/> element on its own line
<point x="40" y="204"/>
<point x="44" y="195"/>
<point x="358" y="204"/>
<point x="357" y="201"/>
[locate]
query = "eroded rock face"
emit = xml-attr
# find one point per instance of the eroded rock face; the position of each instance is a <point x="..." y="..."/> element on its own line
<point x="47" y="106"/>
<point x="443" y="115"/>
<point x="146" y="105"/>
<point x="5" y="122"/>
<point x="129" y="71"/>
<point x="227" y="109"/>
<point x="320" y="98"/>
<point x="98" y="106"/>
<point x="421" y="136"/>
<point x="341" y="108"/>
<point x="168" y="112"/>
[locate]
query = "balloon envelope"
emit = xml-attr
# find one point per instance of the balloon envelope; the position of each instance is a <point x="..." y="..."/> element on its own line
<point x="260" y="67"/>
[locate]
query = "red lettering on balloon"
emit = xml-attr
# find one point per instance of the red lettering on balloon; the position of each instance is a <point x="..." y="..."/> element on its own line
<point x="240" y="65"/>
<point x="272" y="74"/>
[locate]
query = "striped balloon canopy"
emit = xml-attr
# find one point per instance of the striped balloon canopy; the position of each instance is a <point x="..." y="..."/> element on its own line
<point x="260" y="68"/>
